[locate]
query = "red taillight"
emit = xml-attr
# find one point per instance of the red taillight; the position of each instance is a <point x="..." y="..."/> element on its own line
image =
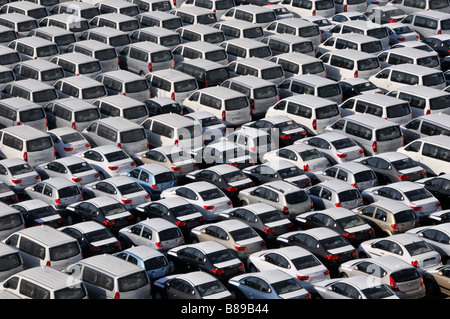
<point x="314" y="124"/>
<point x="394" y="226"/>
<point x="341" y="155"/>
<point x="285" y="137"/>
<point x="439" y="32"/>
<point x="345" y="8"/>
<point x="415" y="263"/>
<point x="37" y="177"/>
<point x="349" y="236"/>
<point x="240" y="248"/>
<point x="229" y="203"/>
<point x="241" y="266"/>
<point x="269" y="230"/>
<point x="285" y="210"/>
<point x="337" y="204"/>
<point x="181" y="224"/>
<point x="158" y="244"/>
<point x="150" y="67"/>
<point x="176" y="169"/>
<point x="374" y="147"/>
<point x="57" y="201"/>
<point x="416" y="208"/>
<point x="206" y="83"/>
<point x="208" y="207"/>
<point x="393" y="284"/>
<point x="332" y="257"/>
<point x="74" y="125"/>
<point x="117" y="295"/>
<point x="403" y="177"/>
<point x="326" y="272"/>
<point x="218" y="271"/>
<point x="175" y="143"/>
<point x="154" y="186"/>
<point x="401" y="39"/>
<point x="113" y="168"/>
<point x="355" y="185"/>
<point x="16" y="181"/>
<point x="306" y="168"/>
<point x="224" y="115"/>
<point x="95" y="249"/>
<point x="48" y="263"/>
<point x="438" y="204"/>
<point x="355" y="253"/>
<point x="87" y="145"/>
<point x="77" y="180"/>
<point x="232" y="189"/>
<point x="361" y="151"/>
<point x="313" y="13"/>
<point x="172" y="96"/>
<point x="119" y="145"/>
<point x="109" y="222"/>
<point x="127" y="201"/>
<point x="147" y="196"/>
<point x="355" y="75"/>
<point x="25" y="156"/>
<point x="303" y="278"/>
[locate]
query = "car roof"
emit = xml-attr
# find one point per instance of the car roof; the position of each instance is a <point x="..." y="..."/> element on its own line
<point x="437" y="118"/>
<point x="222" y="168"/>
<point x="422" y="90"/>
<point x="412" y="52"/>
<point x="313" y="79"/>
<point x="148" y="46"/>
<point x="380" y="99"/>
<point x="246" y="43"/>
<point x="438" y="139"/>
<point x="24" y="132"/>
<point x="105" y="149"/>
<point x="158" y="224"/>
<point x="279" y="164"/>
<point x="118" y="180"/>
<point x="111" y="264"/>
<point x="69" y="160"/>
<point x="173" y="119"/>
<point x="354" y="167"/>
<point x="414" y="69"/>
<point x="172" y="74"/>
<point x="121" y="100"/>
<point x="144" y="252"/>
<point x="271" y="276"/>
<point x="174" y="201"/>
<point x="257" y="208"/>
<point x="32" y="204"/>
<point x="222" y="92"/>
<point x="298" y="57"/>
<point x="309" y="100"/>
<point x="351" y="54"/>
<point x="355" y="37"/>
<point x="155" y="168"/>
<point x="392" y="156"/>
<point x="6" y="249"/>
<point x="202" y="28"/>
<point x="93" y="44"/>
<point x="390" y="263"/>
<point x="101" y="201"/>
<point x="281" y="186"/>
<point x="32" y="84"/>
<point x="16" y="17"/>
<point x="336" y="185"/>
<point x="251" y="81"/>
<point x="287" y="37"/>
<point x="18" y="102"/>
<point x="77" y="57"/>
<point x="404" y="238"/>
<point x="87" y="226"/>
<point x="232" y="224"/>
<point x="209" y="246"/>
<point x="404" y="186"/>
<point x="7" y="210"/>
<point x="372" y="120"/>
<point x="75" y="104"/>
<point x="157" y="30"/>
<point x="119" y="122"/>
<point x="47" y="234"/>
<point x="253" y="8"/>
<point x="39" y="63"/>
<point x="81" y="81"/>
<point x="48" y="277"/>
<point x="195" y="277"/>
<point x="336" y="212"/>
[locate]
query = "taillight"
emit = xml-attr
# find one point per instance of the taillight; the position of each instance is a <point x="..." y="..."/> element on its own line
<point x="48" y="263"/>
<point x="230" y="203"/>
<point x="119" y="145"/>
<point x="403" y="176"/>
<point x="206" y="83"/>
<point x="417" y="208"/>
<point x="176" y="169"/>
<point x="393" y="284"/>
<point x="77" y="179"/>
<point x="313" y="13"/>
<point x="349" y="236"/>
<point x="113" y="168"/>
<point x="217" y="271"/>
<point x="172" y="96"/>
<point x="306" y="168"/>
<point x="332" y="257"/>
<point x="415" y="263"/>
<point x="361" y="151"/>
<point x="252" y="104"/>
<point x="240" y="248"/>
<point x="345" y="8"/>
<point x="438" y="204"/>
<point x="224" y="115"/>
<point x="16" y="181"/>
<point x="314" y="124"/>
<point x="57" y="201"/>
<point x="355" y="75"/>
<point x="303" y="278"/>
<point x="269" y="230"/>
<point x="158" y="244"/>
<point x="25" y="156"/>
<point x="74" y="125"/>
<point x="155" y="186"/>
<point x="326" y="272"/>
<point x="109" y="222"/>
<point x="337" y="204"/>
<point x="127" y="201"/>
<point x="150" y="67"/>
<point x="341" y="155"/>
<point x="68" y="149"/>
<point x="285" y="137"/>
<point x="394" y="226"/>
<point x="181" y="224"/>
<point x="208" y="207"/>
<point x="95" y="249"/>
<point x="147" y="196"/>
<point x="232" y="189"/>
<point x="175" y="143"/>
<point x="374" y="147"/>
<point x="285" y="210"/>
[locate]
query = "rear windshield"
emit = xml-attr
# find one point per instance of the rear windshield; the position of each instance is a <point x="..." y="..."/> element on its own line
<point x="169" y="234"/>
<point x="351" y="221"/>
<point x="405" y="216"/>
<point x="7" y="36"/>
<point x="52" y="75"/>
<point x="98" y="235"/>
<point x="224" y="4"/>
<point x="215" y="37"/>
<point x="90" y="67"/>
<point x="372" y="47"/>
<point x="10" y="58"/>
<point x="106" y="54"/>
<point x="86" y="115"/>
<point x="211" y="194"/>
<point x="262" y="52"/>
<point x="433" y="79"/>
<point x="234" y="176"/>
<point x="136" y="86"/>
<point x="39" y="144"/>
<point x="377" y="292"/>
<point x="349" y="195"/>
<point x="72" y="292"/>
<point x="437" y="4"/>
<point x="403" y="30"/>
<point x="265" y="17"/>
<point x="116" y="156"/>
<point x="305" y="262"/>
<point x="10" y="221"/>
<point x="286" y="286"/>
<point x="80" y="167"/>
<point x="243" y="234"/>
<point x="418" y="194"/>
<point x="183" y="210"/>
<point x="343" y="143"/>
<point x="221" y="256"/>
<point x="271" y="216"/>
<point x="217" y="55"/>
<point x="185" y="86"/>
<point x="272" y="73"/>
<point x="313" y="68"/>
<point x="170" y="40"/>
<point x="327" y="112"/>
<point x="161" y="56"/>
<point x="219" y="74"/>
<point x="113" y="209"/>
<point x="207" y="18"/>
<point x="309" y="31"/>
<point x="164" y="177"/>
<point x="296" y="197"/>
<point x="210" y="288"/>
<point x="334" y="242"/>
<point x="445" y="24"/>
<point x="404" y="164"/>
<point x="378" y="33"/>
<point x="32" y="115"/>
<point x="253" y="33"/>
<point x="132" y="10"/>
<point x="64" y="251"/>
<point x="368" y="64"/>
<point x="398" y="110"/>
<point x="130" y="188"/>
<point x="265" y="92"/>
<point x="20" y="169"/>
<point x="94" y="92"/>
<point x="289" y="172"/>
<point x="160" y="6"/>
<point x="42" y="212"/>
<point x="405" y="275"/>
<point x="10" y="261"/>
<point x="310" y="155"/>
<point x="7" y="76"/>
<point x="329" y="90"/>
<point x="365" y="176"/>
<point x="133" y="281"/>
<point x="68" y="191"/>
<point x="418" y="248"/>
<point x="72" y="137"/>
<point x="179" y="157"/>
<point x="131" y="136"/>
<point x="236" y="103"/>
<point x="304" y="47"/>
<point x="79" y="26"/>
<point x="90" y="13"/>
<point x="172" y="24"/>
<point x="119" y="40"/>
<point x="65" y="39"/>
<point x="135" y="112"/>
<point x="155" y="263"/>
<point x="365" y="86"/>
<point x="27" y="25"/>
<point x="439" y="103"/>
<point x="324" y="4"/>
<point x="430" y="61"/>
<point x="388" y="133"/>
<point x="44" y="95"/>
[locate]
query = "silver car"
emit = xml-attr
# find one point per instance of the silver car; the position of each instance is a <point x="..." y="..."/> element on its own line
<point x="18" y="174"/>
<point x="284" y="196"/>
<point x="334" y="193"/>
<point x="68" y="141"/>
<point x="72" y="168"/>
<point x="59" y="192"/>
<point x="404" y="280"/>
<point x="123" y="188"/>
<point x="355" y="174"/>
<point x="437" y="236"/>
<point x="157" y="233"/>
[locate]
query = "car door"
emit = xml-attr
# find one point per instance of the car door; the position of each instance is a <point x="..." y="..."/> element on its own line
<point x="255" y="288"/>
<point x="438" y="239"/>
<point x="179" y="289"/>
<point x="386" y="247"/>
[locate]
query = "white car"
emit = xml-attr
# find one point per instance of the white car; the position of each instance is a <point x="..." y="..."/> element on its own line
<point x="68" y="141"/>
<point x="73" y="168"/>
<point x="357" y="287"/>
<point x="408" y="247"/>
<point x="18" y="174"/>
<point x="206" y="197"/>
<point x="108" y="160"/>
<point x="123" y="188"/>
<point x="410" y="193"/>
<point x="296" y="261"/>
<point x="438" y="236"/>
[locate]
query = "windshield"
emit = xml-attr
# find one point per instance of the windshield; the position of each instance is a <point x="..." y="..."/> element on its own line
<point x="98" y="235"/>
<point x="265" y="17"/>
<point x="135" y="112"/>
<point x="418" y="248"/>
<point x="343" y="143"/>
<point x="183" y="210"/>
<point x="119" y="40"/>
<point x="405" y="216"/>
<point x="34" y="114"/>
<point x="253" y="33"/>
<point x="106" y="54"/>
<point x="371" y="47"/>
<point x="68" y="191"/>
<point x="272" y="73"/>
<point x="136" y="86"/>
<point x="44" y="95"/>
<point x="243" y="234"/>
<point x="133" y="281"/>
<point x="27" y="25"/>
<point x="439" y="103"/>
<point x="170" y="233"/>
<point x="329" y="90"/>
<point x="418" y="194"/>
<point x="334" y="242"/>
<point x="161" y="56"/>
<point x="185" y="86"/>
<point x="79" y="26"/>
<point x="39" y="144"/>
<point x="7" y="36"/>
<point x="438" y="4"/>
<point x="310" y="155"/>
<point x="211" y="194"/>
<point x="430" y="61"/>
<point x="287" y="286"/>
<point x="90" y="67"/>
<point x="116" y="156"/>
<point x="86" y="115"/>
<point x="378" y="33"/>
<point x="172" y="24"/>
<point x="159" y="6"/>
<point x="65" y="251"/>
<point x="271" y="216"/>
<point x="80" y="168"/>
<point x="130" y="188"/>
<point x="155" y="263"/>
<point x="377" y="292"/>
<point x="398" y="110"/>
<point x="94" y="92"/>
<point x="236" y="103"/>
<point x="217" y="55"/>
<point x="113" y="209"/>
<point x="313" y="68"/>
<point x="211" y="288"/>
<point x="368" y="64"/>
<point x="262" y="52"/>
<point x="324" y="4"/>
<point x="388" y="134"/>
<point x="365" y="176"/>
<point x="433" y="79"/>
<point x="72" y="137"/>
<point x="290" y="172"/>
<point x="209" y="18"/>
<point x="20" y="169"/>
<point x="305" y="262"/>
<point x="221" y="256"/>
<point x="234" y="176"/>
<point x="165" y="177"/>
<point x="309" y="31"/>
<point x="328" y="111"/>
<point x="352" y="194"/>
<point x="296" y="197"/>
<point x="170" y="40"/>
<point x="52" y="75"/>
<point x="10" y="58"/>
<point x="351" y="221"/>
<point x="215" y="37"/>
<point x="404" y="164"/>
<point x="42" y="212"/>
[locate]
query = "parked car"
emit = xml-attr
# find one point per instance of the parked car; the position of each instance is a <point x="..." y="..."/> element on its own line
<point x="438" y="236"/>
<point x="36" y="212"/>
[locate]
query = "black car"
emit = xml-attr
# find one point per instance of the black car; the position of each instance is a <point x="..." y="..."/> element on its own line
<point x="209" y="256"/>
<point x="439" y="186"/>
<point x="37" y="212"/>
<point x="228" y="178"/>
<point x="176" y="210"/>
<point x="94" y="238"/>
<point x="441" y="44"/>
<point x="104" y="210"/>
<point x="279" y="170"/>
<point x="331" y="248"/>
<point x="343" y="221"/>
<point x="281" y="128"/>
<point x="267" y="221"/>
